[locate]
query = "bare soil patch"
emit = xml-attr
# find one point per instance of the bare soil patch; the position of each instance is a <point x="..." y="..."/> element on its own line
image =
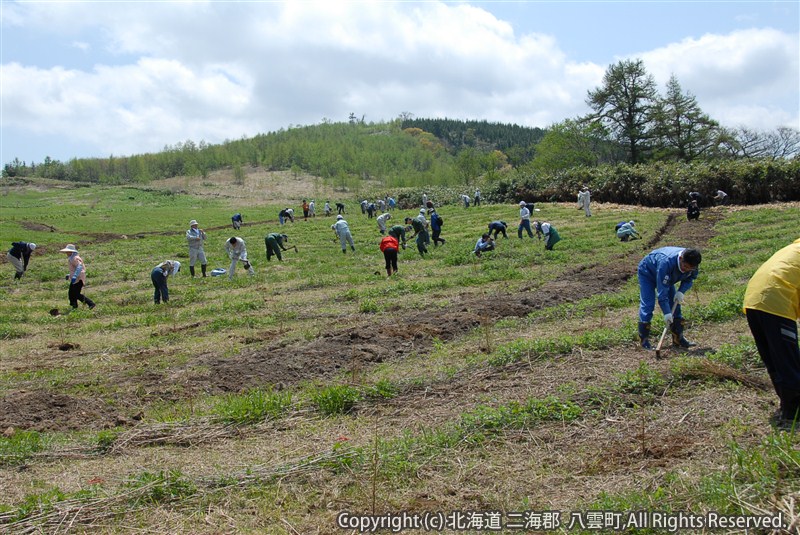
<point x="42" y="410"/>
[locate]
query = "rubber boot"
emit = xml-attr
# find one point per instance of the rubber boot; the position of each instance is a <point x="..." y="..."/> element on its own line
<point x="90" y="303"/>
<point x="677" y="334"/>
<point x="17" y="275"/>
<point x="203" y="269"/>
<point x="191" y="270"/>
<point x="644" y="335"/>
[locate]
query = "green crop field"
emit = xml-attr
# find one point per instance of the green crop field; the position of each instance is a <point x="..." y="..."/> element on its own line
<point x="486" y="389"/>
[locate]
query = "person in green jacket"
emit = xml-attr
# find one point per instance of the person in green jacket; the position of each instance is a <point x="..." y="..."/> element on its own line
<point x="420" y="226"/>
<point x="274" y="243"/>
<point x="551" y="235"/>
<point x="399" y="232"/>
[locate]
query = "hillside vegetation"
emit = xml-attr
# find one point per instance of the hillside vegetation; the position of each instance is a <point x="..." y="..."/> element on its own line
<point x="511" y="383"/>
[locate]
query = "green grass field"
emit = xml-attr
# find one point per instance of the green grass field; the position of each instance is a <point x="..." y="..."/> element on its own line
<point x="273" y="403"/>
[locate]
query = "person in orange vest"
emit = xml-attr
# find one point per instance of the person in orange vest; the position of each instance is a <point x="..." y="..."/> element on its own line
<point x="389" y="246"/>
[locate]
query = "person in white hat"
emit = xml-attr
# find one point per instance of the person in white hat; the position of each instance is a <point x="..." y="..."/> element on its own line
<point x="524" y="220"/>
<point x="627" y="231"/>
<point x="584" y="198"/>
<point x="237" y="251"/>
<point x="196" y="237"/>
<point x="19" y="255"/>
<point x="381" y="220"/>
<point x="159" y="277"/>
<point x="76" y="277"/>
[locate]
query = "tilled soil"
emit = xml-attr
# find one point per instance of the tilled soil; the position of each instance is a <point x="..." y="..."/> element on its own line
<point x="359" y="345"/>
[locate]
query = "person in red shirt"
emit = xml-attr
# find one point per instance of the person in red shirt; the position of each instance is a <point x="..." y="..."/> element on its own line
<point x="389" y="246"/>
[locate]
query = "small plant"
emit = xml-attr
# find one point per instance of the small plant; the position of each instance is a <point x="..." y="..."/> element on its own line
<point x="335" y="399"/>
<point x="253" y="407"/>
<point x="368" y="306"/>
<point x="18" y="447"/>
<point x="106" y="439"/>
<point x="160" y="487"/>
<point x="643" y="381"/>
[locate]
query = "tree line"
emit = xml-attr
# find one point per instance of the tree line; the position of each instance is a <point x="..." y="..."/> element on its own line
<point x="630" y="125"/>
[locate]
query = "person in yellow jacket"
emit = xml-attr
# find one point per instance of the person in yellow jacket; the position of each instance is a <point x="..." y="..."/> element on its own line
<point x="772" y="307"/>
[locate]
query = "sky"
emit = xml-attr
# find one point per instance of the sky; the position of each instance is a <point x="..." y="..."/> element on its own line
<point x="86" y="79"/>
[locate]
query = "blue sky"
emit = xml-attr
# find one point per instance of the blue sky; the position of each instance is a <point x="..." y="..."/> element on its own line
<point x="94" y="79"/>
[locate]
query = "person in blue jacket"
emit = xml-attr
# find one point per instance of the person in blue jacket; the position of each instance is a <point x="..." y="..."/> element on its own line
<point x="658" y="273"/>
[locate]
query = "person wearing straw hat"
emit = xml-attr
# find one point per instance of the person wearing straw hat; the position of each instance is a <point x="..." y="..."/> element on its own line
<point x="196" y="237"/>
<point x="19" y="255"/>
<point x="159" y="277"/>
<point x="76" y="277"/>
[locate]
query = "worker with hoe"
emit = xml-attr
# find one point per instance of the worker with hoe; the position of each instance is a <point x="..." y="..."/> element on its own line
<point x="399" y="233"/>
<point x="342" y="230"/>
<point x="420" y="226"/>
<point x="274" y="243"/>
<point x="236" y="221"/>
<point x="19" y="255"/>
<point x="658" y="272"/>
<point x="497" y="227"/>
<point x="237" y="252"/>
<point x="196" y="237"/>
<point x="159" y="277"/>
<point x="772" y="307"/>
<point x="76" y="277"/>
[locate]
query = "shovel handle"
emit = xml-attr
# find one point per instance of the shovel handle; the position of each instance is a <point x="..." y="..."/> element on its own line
<point x="663" y="334"/>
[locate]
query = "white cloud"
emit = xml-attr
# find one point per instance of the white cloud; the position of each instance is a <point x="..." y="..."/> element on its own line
<point x="220" y="70"/>
<point x="747" y="75"/>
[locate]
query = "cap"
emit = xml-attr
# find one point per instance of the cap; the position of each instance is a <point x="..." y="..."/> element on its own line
<point x="70" y="248"/>
<point x="631" y="222"/>
<point x="32" y="246"/>
<point x="176" y="267"/>
<point x="422" y="211"/>
<point x="522" y="203"/>
<point x="192" y="222"/>
<point x="339" y="216"/>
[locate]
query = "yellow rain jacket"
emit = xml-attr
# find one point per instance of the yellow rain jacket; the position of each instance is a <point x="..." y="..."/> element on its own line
<point x="775" y="286"/>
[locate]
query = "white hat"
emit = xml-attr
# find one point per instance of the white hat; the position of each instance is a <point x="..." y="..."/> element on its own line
<point x="176" y="267"/>
<point x="32" y="246"/>
<point x="522" y="203"/>
<point x="339" y="216"/>
<point x="631" y="222"/>
<point x="192" y="222"/>
<point x="69" y="249"/>
<point x="422" y="211"/>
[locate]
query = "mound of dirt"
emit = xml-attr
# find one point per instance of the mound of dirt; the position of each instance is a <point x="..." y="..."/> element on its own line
<point x="41" y="410"/>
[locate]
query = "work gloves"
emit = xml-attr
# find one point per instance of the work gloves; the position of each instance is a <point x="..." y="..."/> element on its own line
<point x="668" y="318"/>
<point x="679" y="297"/>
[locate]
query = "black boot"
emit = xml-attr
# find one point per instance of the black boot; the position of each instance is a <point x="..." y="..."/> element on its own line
<point x="203" y="268"/>
<point x="644" y="335"/>
<point x="677" y="334"/>
<point x="17" y="275"/>
<point x="191" y="270"/>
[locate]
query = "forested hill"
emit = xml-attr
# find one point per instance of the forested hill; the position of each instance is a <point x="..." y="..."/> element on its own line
<point x="423" y="151"/>
<point x="458" y="134"/>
